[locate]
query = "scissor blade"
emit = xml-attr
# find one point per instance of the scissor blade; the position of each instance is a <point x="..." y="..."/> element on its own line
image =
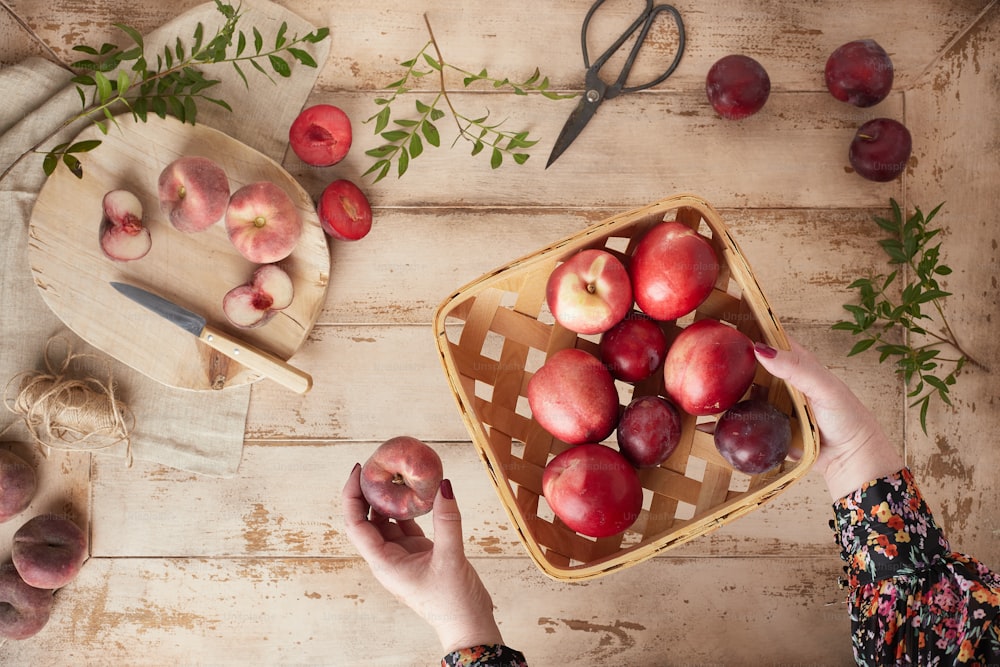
<point x="170" y="311"/>
<point x="584" y="111"/>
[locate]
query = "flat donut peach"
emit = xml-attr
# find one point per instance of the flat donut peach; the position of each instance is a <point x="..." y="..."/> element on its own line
<point x="17" y="484"/>
<point x="49" y="551"/>
<point x="24" y="609"/>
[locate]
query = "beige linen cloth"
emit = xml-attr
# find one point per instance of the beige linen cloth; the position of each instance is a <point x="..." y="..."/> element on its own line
<point x="198" y="431"/>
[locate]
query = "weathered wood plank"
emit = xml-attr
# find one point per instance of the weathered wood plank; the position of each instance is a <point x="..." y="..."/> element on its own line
<point x="804" y="258"/>
<point x="372" y="38"/>
<point x="404" y="388"/>
<point x="958" y="164"/>
<point x="638" y="149"/>
<point x="331" y="612"/>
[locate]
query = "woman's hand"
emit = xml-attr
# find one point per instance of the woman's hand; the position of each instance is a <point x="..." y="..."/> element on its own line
<point x="853" y="447"/>
<point x="435" y="579"/>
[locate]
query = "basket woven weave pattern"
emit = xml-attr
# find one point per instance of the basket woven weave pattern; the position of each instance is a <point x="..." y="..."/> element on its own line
<point x="506" y="333"/>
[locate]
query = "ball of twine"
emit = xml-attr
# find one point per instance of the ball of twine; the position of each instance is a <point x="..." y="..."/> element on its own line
<point x="61" y="411"/>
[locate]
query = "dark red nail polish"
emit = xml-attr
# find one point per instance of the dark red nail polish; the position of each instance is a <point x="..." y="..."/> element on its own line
<point x="446" y="489"/>
<point x="765" y="350"/>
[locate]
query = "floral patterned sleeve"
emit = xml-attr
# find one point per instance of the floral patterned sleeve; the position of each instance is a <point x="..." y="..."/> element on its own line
<point x="912" y="600"/>
<point x="494" y="655"/>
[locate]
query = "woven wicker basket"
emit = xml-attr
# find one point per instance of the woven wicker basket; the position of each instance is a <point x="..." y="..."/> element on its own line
<point x="495" y="332"/>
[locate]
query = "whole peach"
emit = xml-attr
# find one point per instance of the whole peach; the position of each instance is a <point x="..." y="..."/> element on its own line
<point x="49" y="551"/>
<point x="17" y="484"/>
<point x="24" y="609"/>
<point x="193" y="192"/>
<point x="263" y="222"/>
<point x="401" y="478"/>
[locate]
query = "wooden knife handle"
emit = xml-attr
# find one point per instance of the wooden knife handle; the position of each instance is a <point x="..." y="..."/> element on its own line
<point x="264" y="363"/>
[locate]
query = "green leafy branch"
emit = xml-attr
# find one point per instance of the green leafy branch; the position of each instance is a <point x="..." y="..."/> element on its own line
<point x="115" y="78"/>
<point x="925" y="372"/>
<point x="404" y="137"/>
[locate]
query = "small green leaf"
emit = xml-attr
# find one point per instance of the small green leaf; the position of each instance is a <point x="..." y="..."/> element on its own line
<point x="49" y="163"/>
<point x="403" y="163"/>
<point x="431" y="133"/>
<point x="280" y="65"/>
<point x="477" y="147"/>
<point x="432" y="62"/>
<point x="382" y="167"/>
<point x="521" y="158"/>
<point x="317" y="36"/>
<point x="279" y="39"/>
<point x="84" y="146"/>
<point x="416" y="145"/>
<point x="302" y="56"/>
<point x="861" y="346"/>
<point x="243" y="76"/>
<point x="132" y="33"/>
<point x="123" y="82"/>
<point x="382" y="120"/>
<point x="496" y="159"/>
<point x="394" y="135"/>
<point x="73" y="164"/>
<point x="258" y="40"/>
<point x="103" y="87"/>
<point x="241" y="45"/>
<point x="382" y="151"/>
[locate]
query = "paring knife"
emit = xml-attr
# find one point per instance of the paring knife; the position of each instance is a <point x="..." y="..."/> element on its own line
<point x="254" y="359"/>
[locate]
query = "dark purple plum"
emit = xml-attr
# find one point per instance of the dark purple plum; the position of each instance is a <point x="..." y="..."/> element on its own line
<point x="634" y="348"/>
<point x="880" y="149"/>
<point x="737" y="86"/>
<point x="859" y="72"/>
<point x="753" y="436"/>
<point x="649" y="431"/>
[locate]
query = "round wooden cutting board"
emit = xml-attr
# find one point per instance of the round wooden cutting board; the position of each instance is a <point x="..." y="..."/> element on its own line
<point x="193" y="270"/>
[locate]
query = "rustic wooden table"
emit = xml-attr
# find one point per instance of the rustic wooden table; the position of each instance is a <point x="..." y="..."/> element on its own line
<point x="256" y="569"/>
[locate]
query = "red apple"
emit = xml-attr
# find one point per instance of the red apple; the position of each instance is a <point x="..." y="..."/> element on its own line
<point x="17" y="484"/>
<point x="401" y="478"/>
<point x="649" y="431"/>
<point x="269" y="291"/>
<point x="634" y="348"/>
<point x="709" y="367"/>
<point x="124" y="237"/>
<point x="753" y="436"/>
<point x="593" y="490"/>
<point x="263" y="222"/>
<point x="24" y="609"/>
<point x="590" y="292"/>
<point x="673" y="271"/>
<point x="344" y="211"/>
<point x="573" y="397"/>
<point x="321" y="135"/>
<point x="48" y="551"/>
<point x="193" y="193"/>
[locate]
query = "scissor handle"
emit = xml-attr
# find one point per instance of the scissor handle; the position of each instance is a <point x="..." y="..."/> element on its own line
<point x="645" y="19"/>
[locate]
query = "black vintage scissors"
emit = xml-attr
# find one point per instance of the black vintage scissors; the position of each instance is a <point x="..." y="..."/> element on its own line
<point x="597" y="90"/>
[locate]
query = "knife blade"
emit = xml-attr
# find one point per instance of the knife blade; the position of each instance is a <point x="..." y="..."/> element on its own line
<point x="255" y="359"/>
